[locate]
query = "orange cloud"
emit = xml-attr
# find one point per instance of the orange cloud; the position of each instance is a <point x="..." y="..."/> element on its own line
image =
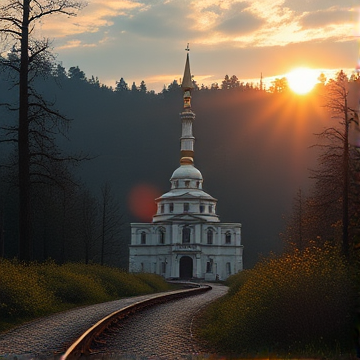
<point x="96" y="15"/>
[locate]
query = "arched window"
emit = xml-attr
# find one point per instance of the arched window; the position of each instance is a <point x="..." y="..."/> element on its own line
<point x="228" y="237"/>
<point x="162" y="236"/>
<point x="143" y="238"/>
<point x="210" y="236"/>
<point x="186" y="234"/>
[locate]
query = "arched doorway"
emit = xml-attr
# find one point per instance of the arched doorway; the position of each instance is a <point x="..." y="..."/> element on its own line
<point x="186" y="267"/>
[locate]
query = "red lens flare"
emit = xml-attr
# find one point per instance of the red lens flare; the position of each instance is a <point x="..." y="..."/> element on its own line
<point x="141" y="201"/>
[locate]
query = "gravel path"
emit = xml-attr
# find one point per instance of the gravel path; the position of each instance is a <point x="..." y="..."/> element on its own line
<point x="51" y="335"/>
<point x="160" y="332"/>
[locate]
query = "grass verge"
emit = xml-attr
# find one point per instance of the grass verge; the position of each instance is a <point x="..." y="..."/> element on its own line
<point x="28" y="291"/>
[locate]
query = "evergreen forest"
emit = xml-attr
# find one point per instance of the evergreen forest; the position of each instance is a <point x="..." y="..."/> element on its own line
<point x="255" y="149"/>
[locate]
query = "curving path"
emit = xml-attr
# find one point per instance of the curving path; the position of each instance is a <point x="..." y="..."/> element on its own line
<point x="51" y="335"/>
<point x="161" y="332"/>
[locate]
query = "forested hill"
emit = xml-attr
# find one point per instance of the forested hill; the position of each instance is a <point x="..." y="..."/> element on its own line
<point x="252" y="147"/>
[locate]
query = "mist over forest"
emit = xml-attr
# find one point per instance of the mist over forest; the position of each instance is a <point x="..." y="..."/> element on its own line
<point x="252" y="147"/>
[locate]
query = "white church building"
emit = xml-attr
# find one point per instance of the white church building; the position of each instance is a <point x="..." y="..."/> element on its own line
<point x="186" y="238"/>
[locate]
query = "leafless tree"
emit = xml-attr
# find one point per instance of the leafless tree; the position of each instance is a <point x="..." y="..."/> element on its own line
<point x="30" y="58"/>
<point x="111" y="223"/>
<point x="336" y="162"/>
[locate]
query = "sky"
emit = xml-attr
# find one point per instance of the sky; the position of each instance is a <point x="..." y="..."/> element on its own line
<point x="146" y="39"/>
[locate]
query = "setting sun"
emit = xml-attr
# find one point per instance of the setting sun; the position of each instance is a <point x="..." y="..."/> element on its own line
<point x="302" y="80"/>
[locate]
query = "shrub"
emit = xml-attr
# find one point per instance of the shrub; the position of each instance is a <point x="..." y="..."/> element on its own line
<point x="32" y="290"/>
<point x="291" y="303"/>
<point x="156" y="282"/>
<point x="22" y="294"/>
<point x="72" y="287"/>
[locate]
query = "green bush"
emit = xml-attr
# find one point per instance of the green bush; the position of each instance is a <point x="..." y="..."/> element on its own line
<point x="292" y="303"/>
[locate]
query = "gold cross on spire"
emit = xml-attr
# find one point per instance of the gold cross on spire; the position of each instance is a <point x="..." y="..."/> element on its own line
<point x="187" y="48"/>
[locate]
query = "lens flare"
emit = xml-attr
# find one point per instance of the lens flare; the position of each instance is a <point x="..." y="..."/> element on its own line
<point x="141" y="201"/>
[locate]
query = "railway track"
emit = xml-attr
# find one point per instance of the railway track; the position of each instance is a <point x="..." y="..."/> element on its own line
<point x="87" y="341"/>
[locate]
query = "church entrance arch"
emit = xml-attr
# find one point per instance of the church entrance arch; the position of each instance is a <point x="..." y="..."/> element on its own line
<point x="186" y="267"/>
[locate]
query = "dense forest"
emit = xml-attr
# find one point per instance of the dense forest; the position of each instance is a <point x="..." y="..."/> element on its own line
<point x="253" y="147"/>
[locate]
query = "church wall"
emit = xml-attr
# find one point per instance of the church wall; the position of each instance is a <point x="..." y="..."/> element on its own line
<point x="164" y="259"/>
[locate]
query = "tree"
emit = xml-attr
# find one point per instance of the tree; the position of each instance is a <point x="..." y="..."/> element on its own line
<point x="337" y="160"/>
<point x="174" y="86"/>
<point x="121" y="85"/>
<point x="322" y="79"/>
<point x="76" y="74"/>
<point x="225" y="85"/>
<point x="110" y="222"/>
<point x="143" y="88"/>
<point x="88" y="224"/>
<point x="279" y="85"/>
<point x="134" y="88"/>
<point x="17" y="21"/>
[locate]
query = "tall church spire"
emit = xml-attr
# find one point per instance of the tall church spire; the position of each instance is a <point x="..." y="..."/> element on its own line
<point x="187" y="139"/>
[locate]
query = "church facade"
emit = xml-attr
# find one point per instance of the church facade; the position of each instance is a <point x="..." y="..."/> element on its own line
<point x="186" y="238"/>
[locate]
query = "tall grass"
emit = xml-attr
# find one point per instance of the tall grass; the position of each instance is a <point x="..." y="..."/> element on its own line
<point x="298" y="303"/>
<point x="32" y="290"/>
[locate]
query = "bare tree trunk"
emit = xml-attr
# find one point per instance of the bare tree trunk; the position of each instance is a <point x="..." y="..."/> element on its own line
<point x="23" y="143"/>
<point x="345" y="197"/>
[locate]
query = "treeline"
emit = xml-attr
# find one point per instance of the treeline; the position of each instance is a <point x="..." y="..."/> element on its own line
<point x="252" y="148"/>
<point x="121" y="86"/>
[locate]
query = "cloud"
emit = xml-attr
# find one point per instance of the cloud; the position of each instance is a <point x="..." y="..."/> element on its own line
<point x="239" y="21"/>
<point x="75" y="44"/>
<point x="318" y="5"/>
<point x="323" y="18"/>
<point x="97" y="15"/>
<point x="158" y="21"/>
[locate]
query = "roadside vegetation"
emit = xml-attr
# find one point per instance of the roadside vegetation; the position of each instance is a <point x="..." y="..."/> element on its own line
<point x="296" y="304"/>
<point x="28" y="291"/>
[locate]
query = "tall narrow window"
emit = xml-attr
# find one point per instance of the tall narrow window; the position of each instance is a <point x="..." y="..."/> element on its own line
<point x="210" y="209"/>
<point x="162" y="236"/>
<point x="228" y="237"/>
<point x="186" y="234"/>
<point x="143" y="238"/>
<point x="228" y="268"/>
<point x="186" y="207"/>
<point x="187" y="183"/>
<point x="171" y="207"/>
<point x="202" y="208"/>
<point x="162" y="208"/>
<point x="209" y="266"/>
<point x="210" y="236"/>
<point x="163" y="267"/>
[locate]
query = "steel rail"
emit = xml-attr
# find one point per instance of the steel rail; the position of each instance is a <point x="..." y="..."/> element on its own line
<point x="81" y="347"/>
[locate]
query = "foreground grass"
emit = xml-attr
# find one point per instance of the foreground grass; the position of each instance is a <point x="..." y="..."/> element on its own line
<point x="296" y="305"/>
<point x="28" y="291"/>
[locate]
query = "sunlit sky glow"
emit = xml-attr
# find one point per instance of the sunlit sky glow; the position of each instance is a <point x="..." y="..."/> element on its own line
<point x="145" y="39"/>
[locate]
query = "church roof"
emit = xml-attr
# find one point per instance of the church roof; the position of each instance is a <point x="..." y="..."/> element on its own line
<point x="187" y="83"/>
<point x="186" y="194"/>
<point x="186" y="172"/>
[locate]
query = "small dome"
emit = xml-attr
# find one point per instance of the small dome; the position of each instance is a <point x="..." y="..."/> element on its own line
<point x="186" y="172"/>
